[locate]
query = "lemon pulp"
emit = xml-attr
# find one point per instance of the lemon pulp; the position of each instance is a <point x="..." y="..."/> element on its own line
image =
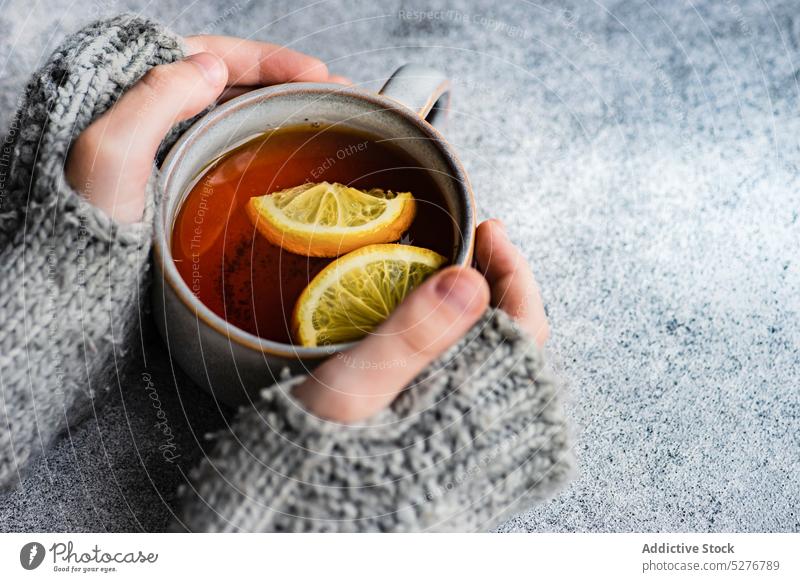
<point x="357" y="292"/>
<point x="330" y="219"/>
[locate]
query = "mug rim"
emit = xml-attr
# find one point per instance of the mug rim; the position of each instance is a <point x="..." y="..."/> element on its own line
<point x="162" y="251"/>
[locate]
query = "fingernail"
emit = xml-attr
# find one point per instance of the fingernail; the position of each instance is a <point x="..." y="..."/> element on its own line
<point x="211" y="67"/>
<point x="501" y="224"/>
<point x="456" y="288"/>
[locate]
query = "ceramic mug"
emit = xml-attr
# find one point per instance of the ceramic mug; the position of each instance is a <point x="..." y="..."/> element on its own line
<point x="227" y="361"/>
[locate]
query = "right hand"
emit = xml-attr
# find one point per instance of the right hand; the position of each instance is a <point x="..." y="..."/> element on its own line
<point x="362" y="381"/>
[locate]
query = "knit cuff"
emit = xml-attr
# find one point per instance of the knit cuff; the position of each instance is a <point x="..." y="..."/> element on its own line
<point x="82" y="79"/>
<point x="478" y="435"/>
<point x="96" y="223"/>
<point x="72" y="276"/>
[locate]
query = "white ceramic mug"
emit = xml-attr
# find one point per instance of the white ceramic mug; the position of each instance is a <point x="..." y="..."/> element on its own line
<point x="230" y="362"/>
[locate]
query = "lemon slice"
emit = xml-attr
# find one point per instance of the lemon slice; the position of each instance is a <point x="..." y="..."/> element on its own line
<point x="356" y="292"/>
<point x="328" y="220"/>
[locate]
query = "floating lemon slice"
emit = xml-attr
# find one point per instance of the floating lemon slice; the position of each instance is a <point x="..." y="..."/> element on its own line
<point x="356" y="292"/>
<point x="328" y="220"/>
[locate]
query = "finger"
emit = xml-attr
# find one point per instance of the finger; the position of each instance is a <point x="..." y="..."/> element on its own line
<point x="252" y="62"/>
<point x="233" y="92"/>
<point x="339" y="80"/>
<point x="164" y="96"/>
<point x="112" y="159"/>
<point x="513" y="286"/>
<point x="364" y="380"/>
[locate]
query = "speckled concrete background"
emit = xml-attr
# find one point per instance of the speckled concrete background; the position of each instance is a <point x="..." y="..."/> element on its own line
<point x="645" y="156"/>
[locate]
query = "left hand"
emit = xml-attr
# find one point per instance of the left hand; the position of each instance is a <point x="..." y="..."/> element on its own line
<point x="365" y="379"/>
<point x="112" y="159"/>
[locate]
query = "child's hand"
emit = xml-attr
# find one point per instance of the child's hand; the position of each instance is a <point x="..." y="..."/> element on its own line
<point x="112" y="159"/>
<point x="358" y="383"/>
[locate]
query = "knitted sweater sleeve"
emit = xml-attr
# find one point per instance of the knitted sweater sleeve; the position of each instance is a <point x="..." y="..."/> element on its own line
<point x="477" y="436"/>
<point x="71" y="278"/>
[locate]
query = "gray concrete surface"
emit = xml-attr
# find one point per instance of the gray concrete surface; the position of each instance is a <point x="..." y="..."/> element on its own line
<point x="644" y="155"/>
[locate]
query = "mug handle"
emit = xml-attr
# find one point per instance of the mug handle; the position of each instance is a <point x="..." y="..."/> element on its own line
<point x="424" y="90"/>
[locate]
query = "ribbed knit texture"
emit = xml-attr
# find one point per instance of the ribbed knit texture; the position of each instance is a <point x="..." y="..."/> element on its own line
<point x="477" y="436"/>
<point x="71" y="278"/>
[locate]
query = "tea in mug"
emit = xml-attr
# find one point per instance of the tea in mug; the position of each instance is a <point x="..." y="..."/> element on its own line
<point x="255" y="284"/>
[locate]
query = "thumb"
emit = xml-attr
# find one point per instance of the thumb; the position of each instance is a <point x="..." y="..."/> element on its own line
<point x="111" y="160"/>
<point x="358" y="383"/>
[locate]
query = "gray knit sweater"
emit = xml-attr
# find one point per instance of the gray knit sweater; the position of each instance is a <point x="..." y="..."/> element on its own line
<point x="479" y="435"/>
